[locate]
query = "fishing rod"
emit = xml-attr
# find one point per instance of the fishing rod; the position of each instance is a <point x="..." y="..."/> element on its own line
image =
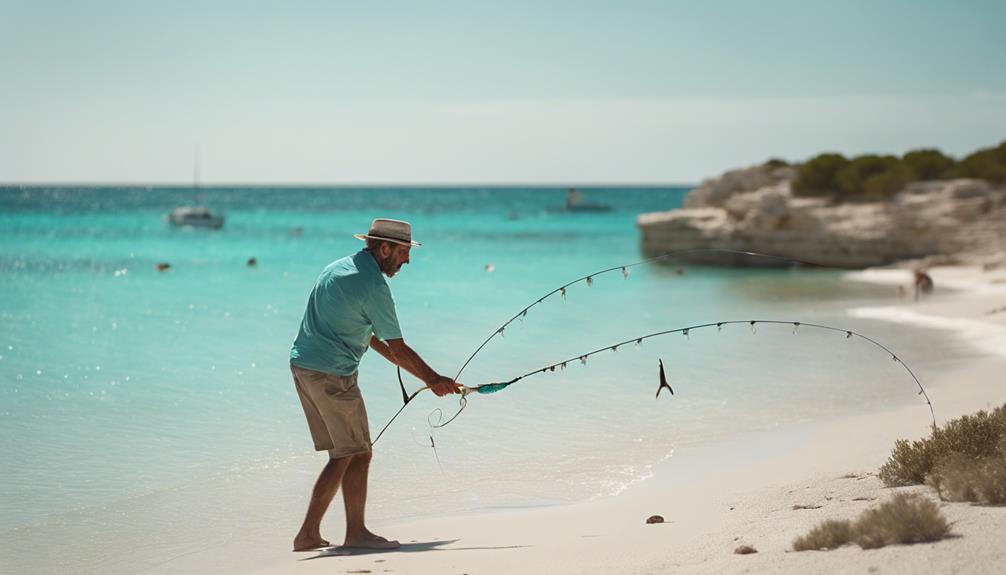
<point x="589" y="279"/>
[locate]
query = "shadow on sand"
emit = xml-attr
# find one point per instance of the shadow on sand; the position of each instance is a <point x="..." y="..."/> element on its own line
<point x="417" y="547"/>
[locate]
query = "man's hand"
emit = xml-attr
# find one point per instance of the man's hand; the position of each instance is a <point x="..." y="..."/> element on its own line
<point x="443" y="386"/>
<point x="404" y="356"/>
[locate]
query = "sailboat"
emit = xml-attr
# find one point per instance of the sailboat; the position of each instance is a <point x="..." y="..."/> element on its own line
<point x="196" y="215"/>
<point x="575" y="203"/>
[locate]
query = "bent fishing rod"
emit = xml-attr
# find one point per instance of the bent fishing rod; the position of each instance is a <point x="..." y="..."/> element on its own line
<point x="494" y="387"/>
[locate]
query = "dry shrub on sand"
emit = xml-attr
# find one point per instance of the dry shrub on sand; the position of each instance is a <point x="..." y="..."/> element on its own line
<point x="959" y="477"/>
<point x="906" y="518"/>
<point x="979" y="435"/>
<point x="830" y="534"/>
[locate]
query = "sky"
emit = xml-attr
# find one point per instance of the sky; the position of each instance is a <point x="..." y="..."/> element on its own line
<point x="385" y="92"/>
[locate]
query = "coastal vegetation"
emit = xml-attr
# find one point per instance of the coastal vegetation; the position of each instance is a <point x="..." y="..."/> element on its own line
<point x="873" y="176"/>
<point x="965" y="460"/>
<point x="829" y="534"/>
<point x="958" y="449"/>
<point x="905" y="518"/>
<point x="959" y="477"/>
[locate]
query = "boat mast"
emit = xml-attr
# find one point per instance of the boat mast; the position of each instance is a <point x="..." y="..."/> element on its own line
<point x="195" y="175"/>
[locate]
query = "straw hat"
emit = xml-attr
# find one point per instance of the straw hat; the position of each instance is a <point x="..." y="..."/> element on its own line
<point x="395" y="231"/>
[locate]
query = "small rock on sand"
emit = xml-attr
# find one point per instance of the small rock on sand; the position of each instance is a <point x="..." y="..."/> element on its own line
<point x="745" y="550"/>
<point x="654" y="519"/>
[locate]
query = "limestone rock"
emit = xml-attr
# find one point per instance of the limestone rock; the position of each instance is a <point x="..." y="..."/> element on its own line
<point x="715" y="192"/>
<point x="753" y="209"/>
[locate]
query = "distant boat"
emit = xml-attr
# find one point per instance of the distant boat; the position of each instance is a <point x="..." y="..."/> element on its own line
<point x="195" y="216"/>
<point x="575" y="203"/>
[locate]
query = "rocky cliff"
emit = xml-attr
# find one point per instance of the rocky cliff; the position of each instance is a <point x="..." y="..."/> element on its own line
<point x="753" y="209"/>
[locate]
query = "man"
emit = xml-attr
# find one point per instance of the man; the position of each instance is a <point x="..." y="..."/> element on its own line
<point x="350" y="307"/>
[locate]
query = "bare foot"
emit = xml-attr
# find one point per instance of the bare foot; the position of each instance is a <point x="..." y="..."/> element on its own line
<point x="370" y="541"/>
<point x="303" y="543"/>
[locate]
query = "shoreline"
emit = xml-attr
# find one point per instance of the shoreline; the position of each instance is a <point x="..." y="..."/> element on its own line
<point x="761" y="489"/>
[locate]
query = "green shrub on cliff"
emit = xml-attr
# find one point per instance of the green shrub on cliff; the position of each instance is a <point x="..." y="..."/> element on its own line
<point x="876" y="176"/>
<point x="834" y="174"/>
<point x="928" y="164"/>
<point x="886" y="184"/>
<point x="989" y="164"/>
<point x="774" y="163"/>
<point x="816" y="177"/>
<point x="851" y="179"/>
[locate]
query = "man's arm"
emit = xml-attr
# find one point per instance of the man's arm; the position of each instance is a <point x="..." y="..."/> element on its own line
<point x="399" y="353"/>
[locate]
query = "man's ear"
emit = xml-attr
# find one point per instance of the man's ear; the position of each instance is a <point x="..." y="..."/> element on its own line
<point x="385" y="250"/>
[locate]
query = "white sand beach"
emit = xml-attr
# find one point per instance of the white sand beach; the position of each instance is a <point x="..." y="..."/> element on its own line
<point x="761" y="490"/>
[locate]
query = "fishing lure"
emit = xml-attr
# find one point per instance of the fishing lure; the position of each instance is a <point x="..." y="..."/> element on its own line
<point x="663" y="381"/>
<point x="624" y="269"/>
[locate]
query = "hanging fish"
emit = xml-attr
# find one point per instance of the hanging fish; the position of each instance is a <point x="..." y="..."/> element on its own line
<point x="663" y="380"/>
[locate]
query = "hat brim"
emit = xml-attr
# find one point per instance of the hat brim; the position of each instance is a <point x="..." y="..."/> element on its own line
<point x="392" y="240"/>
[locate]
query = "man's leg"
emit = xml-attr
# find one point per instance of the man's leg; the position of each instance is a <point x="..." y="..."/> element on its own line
<point x="325" y="487"/>
<point x="354" y="496"/>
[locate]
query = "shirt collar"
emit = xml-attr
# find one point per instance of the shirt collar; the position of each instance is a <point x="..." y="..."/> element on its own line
<point x="365" y="261"/>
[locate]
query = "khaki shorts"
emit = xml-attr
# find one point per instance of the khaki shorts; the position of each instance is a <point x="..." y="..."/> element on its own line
<point x="335" y="412"/>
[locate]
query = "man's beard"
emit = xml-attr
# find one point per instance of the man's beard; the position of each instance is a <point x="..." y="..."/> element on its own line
<point x="387" y="265"/>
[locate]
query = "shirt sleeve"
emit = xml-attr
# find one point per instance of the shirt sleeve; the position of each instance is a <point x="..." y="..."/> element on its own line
<point x="380" y="310"/>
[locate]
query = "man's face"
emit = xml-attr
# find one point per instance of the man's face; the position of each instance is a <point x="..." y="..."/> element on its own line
<point x="393" y="257"/>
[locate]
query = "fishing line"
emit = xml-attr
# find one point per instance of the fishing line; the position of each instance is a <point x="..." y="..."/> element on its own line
<point x="589" y="280"/>
<point x="499" y="386"/>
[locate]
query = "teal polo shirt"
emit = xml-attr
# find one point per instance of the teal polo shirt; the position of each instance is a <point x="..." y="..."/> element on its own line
<point x="350" y="302"/>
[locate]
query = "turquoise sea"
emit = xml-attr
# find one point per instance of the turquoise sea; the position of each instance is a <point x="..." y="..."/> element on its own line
<point x="133" y="399"/>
